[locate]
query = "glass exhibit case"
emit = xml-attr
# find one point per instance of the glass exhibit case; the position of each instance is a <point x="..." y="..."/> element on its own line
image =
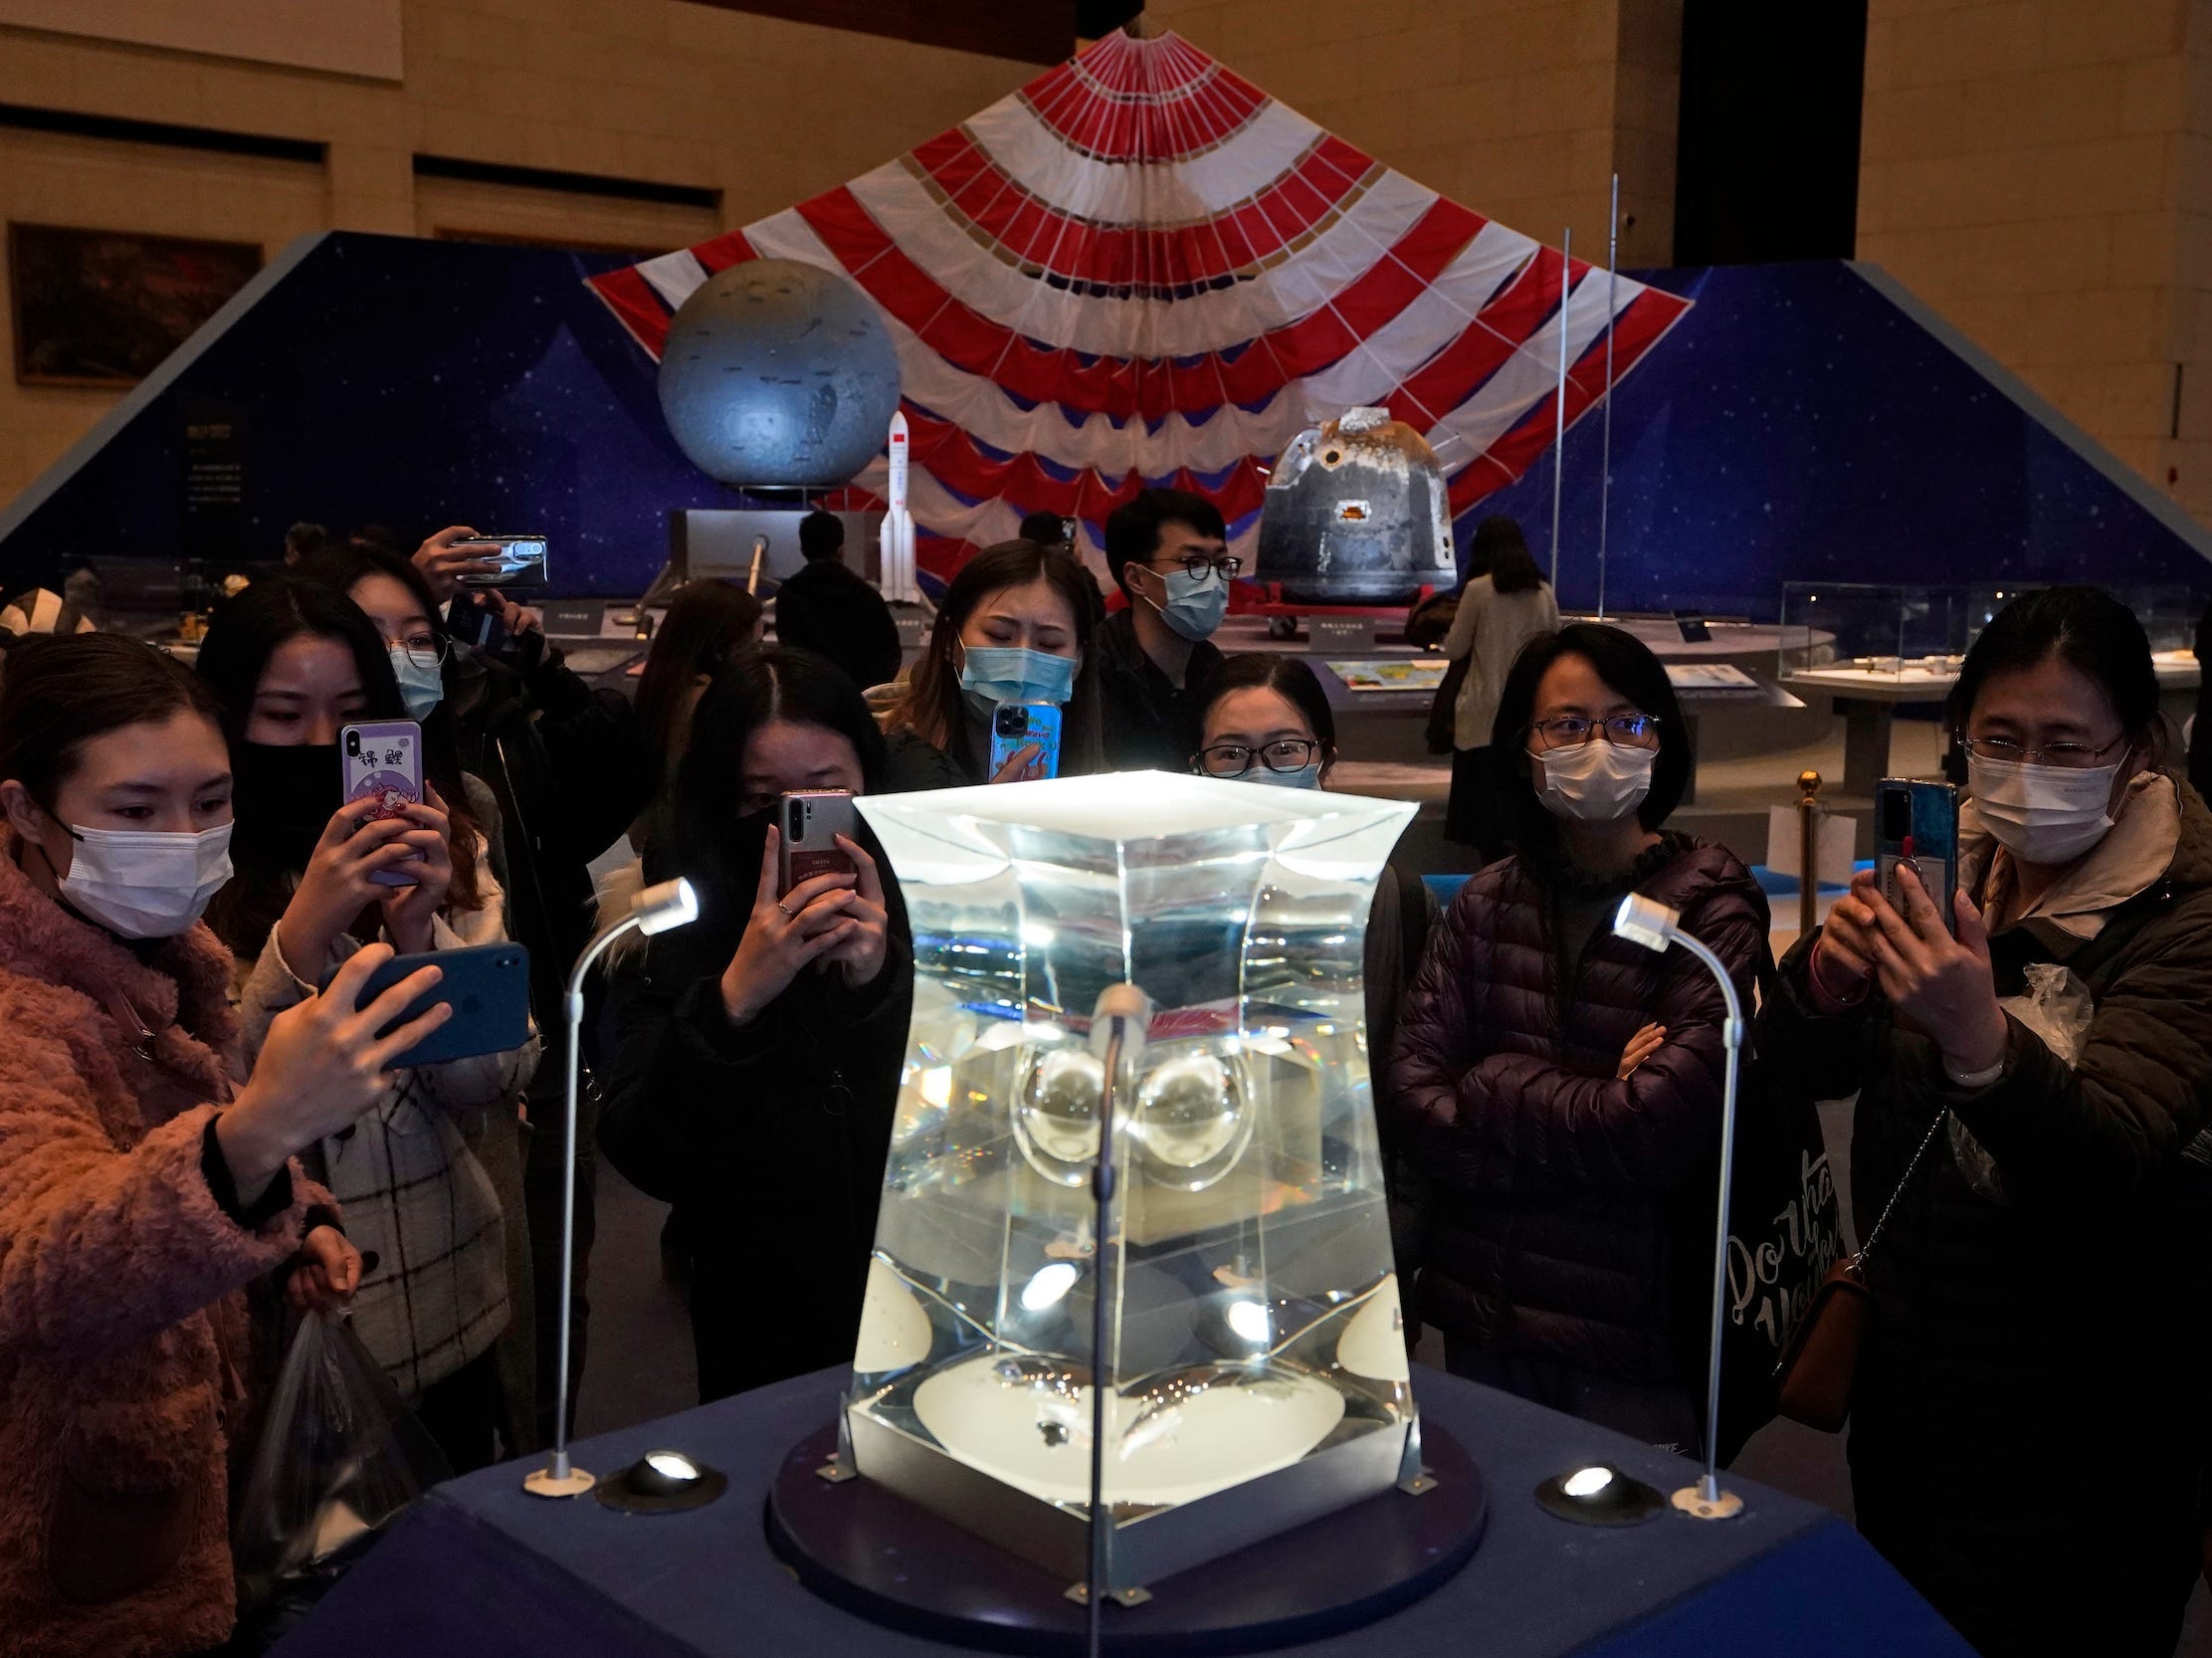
<point x="1880" y="636"/>
<point x="1255" y="1363"/>
<point x="1892" y="638"/>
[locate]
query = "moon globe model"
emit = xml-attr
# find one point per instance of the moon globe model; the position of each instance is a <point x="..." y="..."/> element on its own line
<point x="778" y="373"/>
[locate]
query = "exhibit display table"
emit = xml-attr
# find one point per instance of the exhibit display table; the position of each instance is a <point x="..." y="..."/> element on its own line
<point x="479" y="1566"/>
<point x="1867" y="699"/>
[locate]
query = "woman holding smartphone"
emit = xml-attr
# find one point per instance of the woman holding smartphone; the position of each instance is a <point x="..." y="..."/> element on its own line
<point x="755" y="1054"/>
<point x="142" y="1188"/>
<point x="1562" y="1087"/>
<point x="289" y="663"/>
<point x="2041" y="1277"/>
<point x="1014" y="627"/>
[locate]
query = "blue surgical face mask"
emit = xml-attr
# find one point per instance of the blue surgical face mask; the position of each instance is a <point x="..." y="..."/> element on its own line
<point x="995" y="674"/>
<point x="1307" y="777"/>
<point x="421" y="689"/>
<point x="1195" y="603"/>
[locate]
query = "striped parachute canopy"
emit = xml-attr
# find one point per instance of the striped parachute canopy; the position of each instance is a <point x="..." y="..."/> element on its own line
<point x="1139" y="270"/>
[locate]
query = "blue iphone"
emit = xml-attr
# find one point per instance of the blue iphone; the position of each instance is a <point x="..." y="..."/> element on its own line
<point x="1018" y="725"/>
<point x="1917" y="823"/>
<point x="488" y="986"/>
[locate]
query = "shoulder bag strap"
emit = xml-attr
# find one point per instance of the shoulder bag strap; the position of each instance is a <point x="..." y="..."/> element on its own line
<point x="1903" y="1180"/>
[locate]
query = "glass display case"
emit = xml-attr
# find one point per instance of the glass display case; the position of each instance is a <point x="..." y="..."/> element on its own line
<point x="1857" y="633"/>
<point x="2169" y="615"/>
<point x="1255" y="1363"/>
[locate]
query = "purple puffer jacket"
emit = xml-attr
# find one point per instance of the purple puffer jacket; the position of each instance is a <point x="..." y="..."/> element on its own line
<point x="1567" y="1200"/>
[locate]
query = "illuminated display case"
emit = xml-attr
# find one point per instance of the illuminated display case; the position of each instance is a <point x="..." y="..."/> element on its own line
<point x="1894" y="637"/>
<point x="1256" y="1361"/>
<point x="1861" y="632"/>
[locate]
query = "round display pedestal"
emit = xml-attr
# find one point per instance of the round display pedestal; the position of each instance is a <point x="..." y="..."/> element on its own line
<point x="875" y="1555"/>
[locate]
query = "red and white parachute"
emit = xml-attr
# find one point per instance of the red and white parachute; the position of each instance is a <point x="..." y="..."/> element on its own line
<point x="1140" y="269"/>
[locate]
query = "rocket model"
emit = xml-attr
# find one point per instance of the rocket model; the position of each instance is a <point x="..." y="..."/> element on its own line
<point x="897" y="533"/>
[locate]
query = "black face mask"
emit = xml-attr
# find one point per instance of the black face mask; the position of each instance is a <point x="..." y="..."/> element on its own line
<point x="283" y="796"/>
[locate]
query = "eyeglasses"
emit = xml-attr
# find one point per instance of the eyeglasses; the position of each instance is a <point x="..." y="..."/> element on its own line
<point x="1572" y="730"/>
<point x="424" y="650"/>
<point x="2071" y="757"/>
<point x="1234" y="759"/>
<point x="1198" y="566"/>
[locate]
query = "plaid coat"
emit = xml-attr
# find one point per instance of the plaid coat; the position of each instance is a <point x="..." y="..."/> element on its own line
<point x="413" y="1191"/>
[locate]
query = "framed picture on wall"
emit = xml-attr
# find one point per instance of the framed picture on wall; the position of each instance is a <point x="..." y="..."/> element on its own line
<point x="102" y="307"/>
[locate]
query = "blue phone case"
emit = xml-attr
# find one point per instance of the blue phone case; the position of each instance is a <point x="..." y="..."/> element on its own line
<point x="1014" y="726"/>
<point x="488" y="986"/>
<point x="1924" y="817"/>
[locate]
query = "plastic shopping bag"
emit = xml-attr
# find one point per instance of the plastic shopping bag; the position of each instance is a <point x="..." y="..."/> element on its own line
<point x="339" y="1455"/>
<point x="2058" y="1008"/>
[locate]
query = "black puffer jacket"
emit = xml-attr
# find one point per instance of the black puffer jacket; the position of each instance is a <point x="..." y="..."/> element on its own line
<point x="770" y="1141"/>
<point x="563" y="760"/>
<point x="2028" y="1405"/>
<point x="1561" y="1190"/>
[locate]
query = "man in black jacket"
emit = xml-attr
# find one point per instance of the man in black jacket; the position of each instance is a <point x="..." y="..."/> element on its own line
<point x="1168" y="551"/>
<point x="827" y="609"/>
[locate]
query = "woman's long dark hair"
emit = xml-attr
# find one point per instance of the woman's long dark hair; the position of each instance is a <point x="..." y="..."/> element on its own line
<point x="62" y="691"/>
<point x="1626" y="663"/>
<point x="1499" y="534"/>
<point x="2089" y="630"/>
<point x="242" y="637"/>
<point x="756" y="689"/>
<point x="932" y="708"/>
<point x="708" y="622"/>
<point x="1501" y="551"/>
<point x="1288" y="677"/>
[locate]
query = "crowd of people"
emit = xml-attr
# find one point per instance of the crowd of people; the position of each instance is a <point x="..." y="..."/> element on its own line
<point x="200" y="1127"/>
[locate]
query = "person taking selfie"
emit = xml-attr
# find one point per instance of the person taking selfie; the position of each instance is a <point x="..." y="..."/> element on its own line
<point x="146" y="1179"/>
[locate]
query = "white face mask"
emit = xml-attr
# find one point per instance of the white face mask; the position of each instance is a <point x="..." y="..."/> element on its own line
<point x="1598" y="782"/>
<point x="2043" y="814"/>
<point x="147" y="883"/>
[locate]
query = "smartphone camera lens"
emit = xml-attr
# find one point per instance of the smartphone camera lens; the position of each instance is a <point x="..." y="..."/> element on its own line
<point x="353" y="742"/>
<point x="798" y="820"/>
<point x="1012" y="721"/>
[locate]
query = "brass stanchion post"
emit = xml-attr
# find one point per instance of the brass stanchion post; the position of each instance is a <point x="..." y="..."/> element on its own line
<point x="1808" y="851"/>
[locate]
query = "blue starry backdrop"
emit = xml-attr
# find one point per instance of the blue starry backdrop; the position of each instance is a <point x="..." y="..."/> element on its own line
<point x="1796" y="425"/>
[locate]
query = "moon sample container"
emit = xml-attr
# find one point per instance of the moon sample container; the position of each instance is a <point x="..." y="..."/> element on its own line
<point x="1355" y="513"/>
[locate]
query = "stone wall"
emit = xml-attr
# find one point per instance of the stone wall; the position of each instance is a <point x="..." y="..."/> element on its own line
<point x="766" y="110"/>
<point x="2036" y="170"/>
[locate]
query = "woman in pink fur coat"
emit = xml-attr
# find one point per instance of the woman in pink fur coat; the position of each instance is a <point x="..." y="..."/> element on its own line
<point x="142" y="1188"/>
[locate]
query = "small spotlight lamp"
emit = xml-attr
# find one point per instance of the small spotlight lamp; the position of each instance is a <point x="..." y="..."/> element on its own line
<point x="1599" y="1493"/>
<point x="655" y="910"/>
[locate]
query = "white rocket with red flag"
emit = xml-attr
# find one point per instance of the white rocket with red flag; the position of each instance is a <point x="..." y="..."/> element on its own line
<point x="897" y="533"/>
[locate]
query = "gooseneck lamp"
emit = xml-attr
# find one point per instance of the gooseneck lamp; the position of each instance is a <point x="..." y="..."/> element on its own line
<point x="1643" y="920"/>
<point x="655" y="910"/>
